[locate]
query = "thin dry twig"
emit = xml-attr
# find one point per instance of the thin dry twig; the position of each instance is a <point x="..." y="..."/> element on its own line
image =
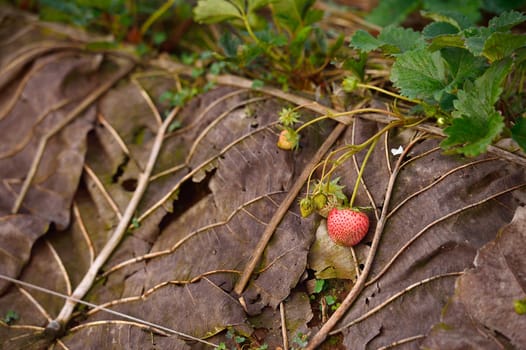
<point x="148" y="100"/>
<point x="110" y="311"/>
<point x="107" y="126"/>
<point x="402" y="341"/>
<point x="283" y="208"/>
<point x="283" y="325"/>
<point x="100" y="186"/>
<point x="84" y="231"/>
<point x="87" y="281"/>
<point x="34" y="302"/>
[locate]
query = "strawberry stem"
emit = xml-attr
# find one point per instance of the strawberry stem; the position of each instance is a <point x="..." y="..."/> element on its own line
<point x="362" y="168"/>
<point x="347" y="114"/>
<point x="389" y="93"/>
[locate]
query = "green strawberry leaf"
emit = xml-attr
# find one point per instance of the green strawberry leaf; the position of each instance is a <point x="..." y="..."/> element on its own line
<point x="473" y="133"/>
<point x="477" y="100"/>
<point x="447" y="40"/>
<point x="297" y="45"/>
<point x="420" y="74"/>
<point x="213" y="11"/>
<point x="392" y="40"/>
<point x="392" y="11"/>
<point x="476" y="123"/>
<point x="518" y="132"/>
<point x="397" y="39"/>
<point x="500" y="45"/>
<point x="364" y="41"/>
<point x="489" y="84"/>
<point x="475" y="38"/>
<point x="292" y="14"/>
<point x="455" y="19"/>
<point x="436" y="29"/>
<point x="462" y="66"/>
<point x="506" y="21"/>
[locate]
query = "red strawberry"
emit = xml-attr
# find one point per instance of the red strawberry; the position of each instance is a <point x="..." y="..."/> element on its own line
<point x="347" y="226"/>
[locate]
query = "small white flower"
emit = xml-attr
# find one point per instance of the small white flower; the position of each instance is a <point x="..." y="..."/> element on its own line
<point x="397" y="151"/>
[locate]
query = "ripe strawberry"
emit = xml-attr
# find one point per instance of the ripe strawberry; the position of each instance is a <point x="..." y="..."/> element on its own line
<point x="347" y="227"/>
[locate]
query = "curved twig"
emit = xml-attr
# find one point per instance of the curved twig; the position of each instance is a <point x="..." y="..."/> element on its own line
<point x="87" y="281"/>
<point x="113" y="312"/>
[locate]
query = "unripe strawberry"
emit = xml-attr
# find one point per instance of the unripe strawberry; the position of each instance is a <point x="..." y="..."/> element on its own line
<point x="347" y="227"/>
<point x="288" y="139"/>
<point x="319" y="200"/>
<point x="306" y="207"/>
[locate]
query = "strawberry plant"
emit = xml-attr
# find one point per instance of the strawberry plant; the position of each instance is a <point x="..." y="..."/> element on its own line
<point x="288" y="47"/>
<point x="396" y="11"/>
<point x="469" y="79"/>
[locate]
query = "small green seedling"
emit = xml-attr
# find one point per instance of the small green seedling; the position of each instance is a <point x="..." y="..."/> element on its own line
<point x="520" y="306"/>
<point x="290" y="49"/>
<point x="10" y="317"/>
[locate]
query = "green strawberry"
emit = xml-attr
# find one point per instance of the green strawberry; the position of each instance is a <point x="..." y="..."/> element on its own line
<point x="306" y="207"/>
<point x="346" y="226"/>
<point x="319" y="200"/>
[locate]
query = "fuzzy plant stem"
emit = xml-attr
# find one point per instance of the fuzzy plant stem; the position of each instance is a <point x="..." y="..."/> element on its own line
<point x="362" y="168"/>
<point x="347" y="114"/>
<point x="389" y="93"/>
<point x="355" y="149"/>
<point x="258" y="42"/>
<point x="156" y="15"/>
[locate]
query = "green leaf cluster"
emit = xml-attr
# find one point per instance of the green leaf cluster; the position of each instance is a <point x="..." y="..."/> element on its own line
<point x="468" y="74"/>
<point x="391" y="12"/>
<point x="125" y="20"/>
<point x="287" y="47"/>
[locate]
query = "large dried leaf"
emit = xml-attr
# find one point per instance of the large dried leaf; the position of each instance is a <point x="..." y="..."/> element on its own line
<point x="481" y="313"/>
<point x="33" y="104"/>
